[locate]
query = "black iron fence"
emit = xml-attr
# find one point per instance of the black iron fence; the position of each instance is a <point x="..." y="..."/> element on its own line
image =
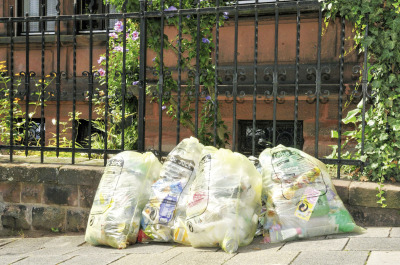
<point x="265" y="85"/>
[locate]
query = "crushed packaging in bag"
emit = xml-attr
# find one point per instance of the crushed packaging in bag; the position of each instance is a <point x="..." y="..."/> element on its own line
<point x="122" y="193"/>
<point x="224" y="201"/>
<point x="302" y="201"/>
<point x="263" y="209"/>
<point x="164" y="215"/>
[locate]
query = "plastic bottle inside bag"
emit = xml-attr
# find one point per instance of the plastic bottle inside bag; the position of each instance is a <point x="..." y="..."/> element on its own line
<point x="165" y="211"/>
<point x="224" y="201"/>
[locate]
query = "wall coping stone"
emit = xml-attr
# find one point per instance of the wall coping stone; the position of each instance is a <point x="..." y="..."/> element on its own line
<point x="85" y="175"/>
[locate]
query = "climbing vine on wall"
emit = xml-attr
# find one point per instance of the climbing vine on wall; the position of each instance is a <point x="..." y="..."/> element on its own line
<point x="382" y="130"/>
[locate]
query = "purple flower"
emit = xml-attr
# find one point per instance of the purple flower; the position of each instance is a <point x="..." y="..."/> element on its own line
<point x="102" y="58"/>
<point x="171" y="8"/>
<point x="119" y="49"/>
<point x="119" y="26"/>
<point x="135" y="35"/>
<point x="113" y="35"/>
<point x="135" y="83"/>
<point x="101" y="72"/>
<point x="208" y="97"/>
<point x="154" y="59"/>
<point x="205" y="40"/>
<point x="226" y="15"/>
<point x="188" y="16"/>
<point x="164" y="107"/>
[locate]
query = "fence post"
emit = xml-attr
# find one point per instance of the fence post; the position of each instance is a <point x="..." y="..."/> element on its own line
<point x="142" y="75"/>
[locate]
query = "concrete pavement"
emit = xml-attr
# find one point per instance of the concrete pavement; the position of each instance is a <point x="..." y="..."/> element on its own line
<point x="379" y="245"/>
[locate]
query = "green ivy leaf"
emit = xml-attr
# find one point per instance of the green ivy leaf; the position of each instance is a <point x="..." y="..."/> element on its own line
<point x="395" y="126"/>
<point x="383" y="137"/>
<point x="334" y="134"/>
<point x="363" y="158"/>
<point x="392" y="77"/>
<point x="351" y="116"/>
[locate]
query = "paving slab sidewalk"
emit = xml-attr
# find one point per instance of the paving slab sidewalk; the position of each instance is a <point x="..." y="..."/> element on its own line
<point x="379" y="245"/>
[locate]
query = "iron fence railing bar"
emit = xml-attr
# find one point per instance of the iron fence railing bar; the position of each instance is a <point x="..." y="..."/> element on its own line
<point x="275" y="74"/>
<point x="364" y="84"/>
<point x="296" y="89"/>
<point x="349" y="162"/>
<point x="74" y="129"/>
<point x="307" y="85"/>
<point x="90" y="84"/>
<point x="253" y="138"/>
<point x="42" y="87"/>
<point x="197" y="74"/>
<point x="58" y="78"/>
<point x="318" y="82"/>
<point x="106" y="103"/>
<point x="62" y="149"/>
<point x="69" y="149"/>
<point x="11" y="93"/>
<point x="142" y="76"/>
<point x="216" y="81"/>
<point x="161" y="78"/>
<point x="270" y="7"/>
<point x="123" y="85"/>
<point x="340" y="100"/>
<point x="235" y="76"/>
<point x="123" y="78"/>
<point x="27" y="86"/>
<point x="178" y="114"/>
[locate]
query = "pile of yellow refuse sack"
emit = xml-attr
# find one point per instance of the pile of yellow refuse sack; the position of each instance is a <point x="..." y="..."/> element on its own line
<point x="208" y="197"/>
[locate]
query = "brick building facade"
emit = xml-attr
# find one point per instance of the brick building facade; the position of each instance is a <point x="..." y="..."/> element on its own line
<point x="330" y="51"/>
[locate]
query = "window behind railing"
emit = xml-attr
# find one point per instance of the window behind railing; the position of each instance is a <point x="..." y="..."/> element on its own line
<point x="33" y="8"/>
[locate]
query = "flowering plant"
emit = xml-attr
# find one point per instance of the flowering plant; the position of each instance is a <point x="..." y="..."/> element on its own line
<point x="14" y="108"/>
<point x="187" y="47"/>
<point x="114" y="94"/>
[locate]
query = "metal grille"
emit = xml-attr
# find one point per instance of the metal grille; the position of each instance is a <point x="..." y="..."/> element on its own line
<point x="263" y="135"/>
<point x="272" y="83"/>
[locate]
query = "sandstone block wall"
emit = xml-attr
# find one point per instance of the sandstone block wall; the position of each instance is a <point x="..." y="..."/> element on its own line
<point x="48" y="197"/>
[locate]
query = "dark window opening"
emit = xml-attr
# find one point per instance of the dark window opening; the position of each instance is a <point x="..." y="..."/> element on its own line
<point x="264" y="135"/>
<point x="95" y="7"/>
<point x="82" y="127"/>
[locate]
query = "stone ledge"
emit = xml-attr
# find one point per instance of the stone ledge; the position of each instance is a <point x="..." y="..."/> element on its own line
<point x="80" y="175"/>
<point x="51" y="174"/>
<point x="36" y="173"/>
<point x="364" y="194"/>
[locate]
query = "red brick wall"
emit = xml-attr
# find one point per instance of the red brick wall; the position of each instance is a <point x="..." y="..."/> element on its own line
<point x="286" y="55"/>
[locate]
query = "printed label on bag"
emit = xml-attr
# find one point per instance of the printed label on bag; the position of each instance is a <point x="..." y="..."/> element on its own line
<point x="107" y="186"/>
<point x="307" y="203"/>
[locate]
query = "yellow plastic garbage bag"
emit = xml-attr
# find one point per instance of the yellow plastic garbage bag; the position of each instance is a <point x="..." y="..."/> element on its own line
<point x="123" y="191"/>
<point x="224" y="201"/>
<point x="302" y="201"/>
<point x="164" y="215"/>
